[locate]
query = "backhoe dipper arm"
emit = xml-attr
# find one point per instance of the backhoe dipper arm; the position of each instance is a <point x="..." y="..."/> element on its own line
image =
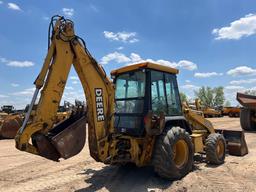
<point x="66" y="49"/>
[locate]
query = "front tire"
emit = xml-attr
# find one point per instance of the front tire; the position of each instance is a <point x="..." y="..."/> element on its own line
<point x="173" y="154"/>
<point x="215" y="148"/>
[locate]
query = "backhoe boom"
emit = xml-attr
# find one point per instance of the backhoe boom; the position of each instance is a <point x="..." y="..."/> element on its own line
<point x="65" y="50"/>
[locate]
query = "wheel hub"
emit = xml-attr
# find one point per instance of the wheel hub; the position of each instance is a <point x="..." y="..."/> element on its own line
<point x="220" y="149"/>
<point x="180" y="150"/>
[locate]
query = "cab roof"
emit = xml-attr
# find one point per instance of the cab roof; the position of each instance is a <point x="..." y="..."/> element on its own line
<point x="145" y="65"/>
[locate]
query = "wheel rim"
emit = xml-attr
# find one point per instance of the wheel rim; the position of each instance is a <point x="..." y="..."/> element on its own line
<point x="220" y="149"/>
<point x="180" y="150"/>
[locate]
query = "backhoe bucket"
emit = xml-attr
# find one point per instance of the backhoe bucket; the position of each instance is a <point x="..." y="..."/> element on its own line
<point x="236" y="143"/>
<point x="65" y="140"/>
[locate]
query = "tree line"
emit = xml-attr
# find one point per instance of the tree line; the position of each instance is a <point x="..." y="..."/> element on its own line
<point x="213" y="97"/>
<point x="210" y="97"/>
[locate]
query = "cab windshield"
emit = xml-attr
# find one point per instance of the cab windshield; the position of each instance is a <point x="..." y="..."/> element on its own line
<point x="129" y="98"/>
<point x="130" y="91"/>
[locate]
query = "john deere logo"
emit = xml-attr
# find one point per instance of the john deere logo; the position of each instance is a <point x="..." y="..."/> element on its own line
<point x="99" y="104"/>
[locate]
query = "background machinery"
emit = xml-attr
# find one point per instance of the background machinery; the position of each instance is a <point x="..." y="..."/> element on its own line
<point x="7" y="109"/>
<point x="231" y="111"/>
<point x="248" y="111"/>
<point x="10" y="121"/>
<point x="10" y="125"/>
<point x="3" y="115"/>
<point x="138" y="118"/>
<point x="207" y="111"/>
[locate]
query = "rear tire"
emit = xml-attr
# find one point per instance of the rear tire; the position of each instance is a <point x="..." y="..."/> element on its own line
<point x="246" y="119"/>
<point x="215" y="148"/>
<point x="173" y="154"/>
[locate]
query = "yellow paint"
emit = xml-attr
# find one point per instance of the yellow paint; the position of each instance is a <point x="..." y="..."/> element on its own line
<point x="197" y="140"/>
<point x="145" y="65"/>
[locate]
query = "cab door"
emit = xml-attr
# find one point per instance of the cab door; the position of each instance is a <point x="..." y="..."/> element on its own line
<point x="165" y="94"/>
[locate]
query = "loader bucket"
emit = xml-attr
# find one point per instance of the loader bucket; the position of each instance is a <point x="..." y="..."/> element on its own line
<point x="65" y="140"/>
<point x="10" y="126"/>
<point x="236" y="143"/>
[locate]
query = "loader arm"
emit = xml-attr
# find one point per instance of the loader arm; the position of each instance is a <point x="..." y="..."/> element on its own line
<point x="196" y="120"/>
<point x="235" y="139"/>
<point x="67" y="49"/>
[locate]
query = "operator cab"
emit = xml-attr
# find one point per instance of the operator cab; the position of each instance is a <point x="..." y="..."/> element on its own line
<point x="141" y="88"/>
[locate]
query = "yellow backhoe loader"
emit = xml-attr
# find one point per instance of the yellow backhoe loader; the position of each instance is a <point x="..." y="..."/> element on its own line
<point x="137" y="118"/>
<point x="207" y="111"/>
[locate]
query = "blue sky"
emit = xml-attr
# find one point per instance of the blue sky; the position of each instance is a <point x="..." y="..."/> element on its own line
<point x="212" y="42"/>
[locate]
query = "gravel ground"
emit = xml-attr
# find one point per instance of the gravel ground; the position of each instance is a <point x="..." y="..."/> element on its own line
<point x="20" y="171"/>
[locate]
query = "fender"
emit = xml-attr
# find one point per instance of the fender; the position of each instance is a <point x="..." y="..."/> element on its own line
<point x="178" y="121"/>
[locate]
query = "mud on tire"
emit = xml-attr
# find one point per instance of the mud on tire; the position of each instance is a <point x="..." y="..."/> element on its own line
<point x="215" y="148"/>
<point x="168" y="159"/>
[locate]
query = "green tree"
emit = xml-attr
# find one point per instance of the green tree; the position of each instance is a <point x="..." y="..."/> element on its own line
<point x="227" y="103"/>
<point x="250" y="92"/>
<point x="218" y="96"/>
<point x="183" y="97"/>
<point x="211" y="97"/>
<point x="205" y="95"/>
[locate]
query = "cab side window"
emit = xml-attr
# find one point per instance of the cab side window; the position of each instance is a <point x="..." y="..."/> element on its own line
<point x="172" y="94"/>
<point x="158" y="97"/>
<point x="165" y="94"/>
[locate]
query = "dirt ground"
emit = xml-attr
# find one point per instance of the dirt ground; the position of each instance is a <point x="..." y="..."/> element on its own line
<point x="20" y="171"/>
